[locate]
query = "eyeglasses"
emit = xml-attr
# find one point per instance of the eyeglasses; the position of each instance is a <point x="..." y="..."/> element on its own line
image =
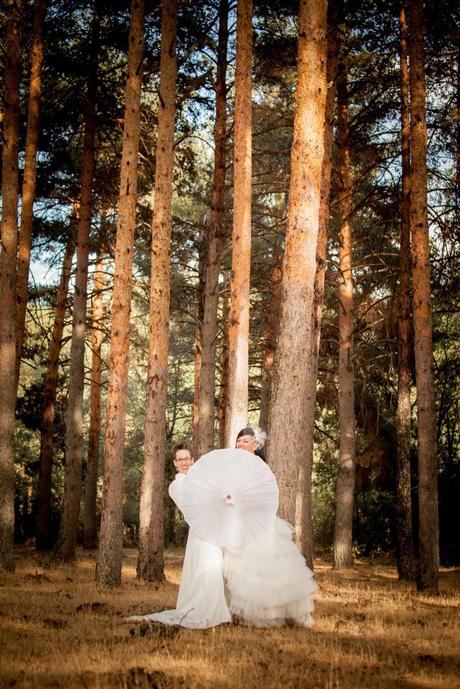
<point x="188" y="459"/>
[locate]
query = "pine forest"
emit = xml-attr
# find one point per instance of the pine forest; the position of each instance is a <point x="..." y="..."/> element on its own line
<point x="218" y="214"/>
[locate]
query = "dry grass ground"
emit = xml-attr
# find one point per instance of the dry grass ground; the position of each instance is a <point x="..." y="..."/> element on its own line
<point x="59" y="629"/>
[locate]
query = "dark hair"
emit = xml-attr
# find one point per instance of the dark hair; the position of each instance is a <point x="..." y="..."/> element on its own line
<point x="249" y="430"/>
<point x="246" y="431"/>
<point x="180" y="445"/>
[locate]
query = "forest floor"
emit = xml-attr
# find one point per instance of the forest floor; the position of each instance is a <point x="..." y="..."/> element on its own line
<point x="59" y="629"/>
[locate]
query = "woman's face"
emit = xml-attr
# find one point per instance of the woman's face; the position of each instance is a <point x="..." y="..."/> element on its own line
<point x="183" y="461"/>
<point x="246" y="442"/>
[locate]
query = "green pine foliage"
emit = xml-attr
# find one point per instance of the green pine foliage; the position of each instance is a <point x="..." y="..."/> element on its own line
<point x="370" y="34"/>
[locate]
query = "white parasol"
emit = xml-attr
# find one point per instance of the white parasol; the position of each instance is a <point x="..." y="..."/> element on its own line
<point x="229" y="497"/>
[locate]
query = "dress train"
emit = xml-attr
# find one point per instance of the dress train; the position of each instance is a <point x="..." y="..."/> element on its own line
<point x="201" y="600"/>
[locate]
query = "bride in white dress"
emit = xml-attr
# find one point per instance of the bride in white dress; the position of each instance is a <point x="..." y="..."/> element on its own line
<point x="267" y="580"/>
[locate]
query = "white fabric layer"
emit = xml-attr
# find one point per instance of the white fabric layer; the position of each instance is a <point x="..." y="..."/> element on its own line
<point x="201" y="601"/>
<point x="268" y="582"/>
<point x="229" y="497"/>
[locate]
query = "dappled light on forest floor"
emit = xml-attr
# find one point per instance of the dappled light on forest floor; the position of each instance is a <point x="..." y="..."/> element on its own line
<point x="60" y="629"/>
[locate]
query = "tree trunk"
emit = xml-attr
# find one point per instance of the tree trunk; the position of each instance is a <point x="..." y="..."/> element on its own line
<point x="405" y="547"/>
<point x="238" y="332"/>
<point x="196" y="386"/>
<point x="345" y="484"/>
<point x="111" y="532"/>
<point x="202" y="251"/>
<point x="28" y="184"/>
<point x="457" y="170"/>
<point x="299" y="264"/>
<point x="426" y="422"/>
<point x="207" y="412"/>
<point x="43" y="540"/>
<point x="8" y="249"/>
<point x="303" y="523"/>
<point x="92" y="465"/>
<point x="151" y="526"/>
<point x="223" y="377"/>
<point x="270" y="336"/>
<point x="74" y="414"/>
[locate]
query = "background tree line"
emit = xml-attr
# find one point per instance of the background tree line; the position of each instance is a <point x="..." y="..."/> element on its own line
<point x="161" y="157"/>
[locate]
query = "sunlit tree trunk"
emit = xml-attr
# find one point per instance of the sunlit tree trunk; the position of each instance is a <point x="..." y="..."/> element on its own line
<point x="28" y="184"/>
<point x="43" y="540"/>
<point x="151" y="527"/>
<point x="405" y="547"/>
<point x="196" y="391"/>
<point x="223" y="364"/>
<point x="198" y="343"/>
<point x="74" y="414"/>
<point x="426" y="420"/>
<point x="111" y="531"/>
<point x="345" y="483"/>
<point x="238" y="329"/>
<point x="270" y="336"/>
<point x="207" y="411"/>
<point x="303" y="523"/>
<point x="299" y="263"/>
<point x="8" y="249"/>
<point x="96" y="337"/>
<point x="457" y="172"/>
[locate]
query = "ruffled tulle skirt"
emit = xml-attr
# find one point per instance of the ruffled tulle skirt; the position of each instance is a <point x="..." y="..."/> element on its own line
<point x="267" y="581"/>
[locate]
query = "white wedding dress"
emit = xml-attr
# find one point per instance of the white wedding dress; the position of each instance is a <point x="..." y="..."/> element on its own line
<point x="201" y="601"/>
<point x="268" y="583"/>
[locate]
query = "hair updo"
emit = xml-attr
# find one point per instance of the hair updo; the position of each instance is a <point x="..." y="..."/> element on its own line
<point x="259" y="437"/>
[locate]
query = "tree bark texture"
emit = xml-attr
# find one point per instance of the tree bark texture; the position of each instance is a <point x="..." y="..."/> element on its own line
<point x="196" y="387"/>
<point x="270" y="336"/>
<point x="207" y="411"/>
<point x="303" y="523"/>
<point x="111" y="531"/>
<point x="151" y="527"/>
<point x="8" y="249"/>
<point x="238" y="328"/>
<point x="457" y="171"/>
<point x="299" y="263"/>
<point x="92" y="464"/>
<point x="345" y="482"/>
<point x="428" y="575"/>
<point x="42" y="524"/>
<point x="28" y="184"/>
<point x="223" y="364"/>
<point x="74" y="414"/>
<point x="405" y="547"/>
<point x="202" y="252"/>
